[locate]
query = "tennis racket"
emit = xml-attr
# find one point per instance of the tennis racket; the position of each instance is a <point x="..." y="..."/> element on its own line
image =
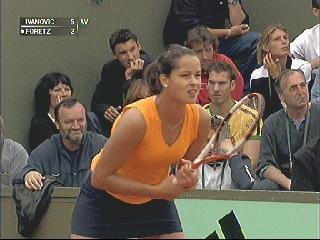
<point x="230" y="133"/>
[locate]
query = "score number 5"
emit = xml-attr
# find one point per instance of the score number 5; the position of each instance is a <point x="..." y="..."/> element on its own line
<point x="72" y="22"/>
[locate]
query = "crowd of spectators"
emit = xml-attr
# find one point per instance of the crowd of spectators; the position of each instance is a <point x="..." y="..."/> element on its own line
<point x="64" y="137"/>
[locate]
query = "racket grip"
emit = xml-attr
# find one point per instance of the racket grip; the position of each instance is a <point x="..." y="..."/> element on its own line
<point x="212" y="158"/>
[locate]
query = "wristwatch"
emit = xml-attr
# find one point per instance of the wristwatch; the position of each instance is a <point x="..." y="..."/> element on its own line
<point x="233" y="2"/>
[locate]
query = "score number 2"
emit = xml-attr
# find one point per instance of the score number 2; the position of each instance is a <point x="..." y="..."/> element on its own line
<point x="72" y="22"/>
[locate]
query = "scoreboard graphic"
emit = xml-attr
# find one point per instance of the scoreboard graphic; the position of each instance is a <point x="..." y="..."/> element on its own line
<point x="51" y="26"/>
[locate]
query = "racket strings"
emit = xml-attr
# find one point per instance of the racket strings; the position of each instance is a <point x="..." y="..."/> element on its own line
<point x="237" y="128"/>
<point x="225" y="140"/>
<point x="227" y="136"/>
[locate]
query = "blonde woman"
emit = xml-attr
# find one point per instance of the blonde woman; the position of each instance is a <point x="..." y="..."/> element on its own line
<point x="274" y="55"/>
<point x="138" y="90"/>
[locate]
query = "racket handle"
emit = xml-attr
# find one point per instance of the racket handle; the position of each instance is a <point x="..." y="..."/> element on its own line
<point x="212" y="158"/>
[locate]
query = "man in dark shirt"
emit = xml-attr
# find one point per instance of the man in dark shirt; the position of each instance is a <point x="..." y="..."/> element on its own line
<point x="66" y="155"/>
<point x="128" y="64"/>
<point x="236" y="42"/>
<point x="306" y="168"/>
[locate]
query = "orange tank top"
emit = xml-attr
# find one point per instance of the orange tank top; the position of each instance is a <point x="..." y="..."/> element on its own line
<point x="150" y="161"/>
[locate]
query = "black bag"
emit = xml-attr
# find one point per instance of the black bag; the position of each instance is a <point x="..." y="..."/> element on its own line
<point x="31" y="205"/>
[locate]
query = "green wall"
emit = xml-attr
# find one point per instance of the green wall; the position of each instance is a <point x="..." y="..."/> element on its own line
<point x="258" y="219"/>
<point x="24" y="60"/>
<point x="261" y="214"/>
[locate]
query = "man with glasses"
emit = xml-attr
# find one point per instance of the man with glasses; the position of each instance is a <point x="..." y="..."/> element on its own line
<point x="127" y="65"/>
<point x="287" y="130"/>
<point x="221" y="83"/>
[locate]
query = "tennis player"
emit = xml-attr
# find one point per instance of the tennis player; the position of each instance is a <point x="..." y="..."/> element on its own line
<point x="129" y="192"/>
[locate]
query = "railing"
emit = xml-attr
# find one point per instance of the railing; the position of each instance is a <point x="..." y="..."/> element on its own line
<point x="261" y="214"/>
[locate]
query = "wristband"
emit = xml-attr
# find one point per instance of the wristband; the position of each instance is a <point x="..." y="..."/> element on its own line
<point x="233" y="2"/>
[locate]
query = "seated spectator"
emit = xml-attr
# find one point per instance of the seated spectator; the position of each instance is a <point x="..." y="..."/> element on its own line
<point x="306" y="47"/>
<point x="236" y="40"/>
<point x="306" y="168"/>
<point x="287" y="130"/>
<point x="127" y="64"/>
<point x="274" y="54"/>
<point x="66" y="155"/>
<point x="50" y="90"/>
<point x="243" y="176"/>
<point x="13" y="157"/>
<point x="205" y="46"/>
<point x="138" y="90"/>
<point x="221" y="83"/>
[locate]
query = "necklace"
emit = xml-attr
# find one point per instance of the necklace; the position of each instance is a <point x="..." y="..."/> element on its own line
<point x="171" y="127"/>
<point x="164" y="123"/>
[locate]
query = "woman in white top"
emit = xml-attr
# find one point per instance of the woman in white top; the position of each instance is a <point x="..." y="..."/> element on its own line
<point x="306" y="47"/>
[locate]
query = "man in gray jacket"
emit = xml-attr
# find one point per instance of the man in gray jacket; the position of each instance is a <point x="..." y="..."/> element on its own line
<point x="13" y="157"/>
<point x="287" y="130"/>
<point x="66" y="155"/>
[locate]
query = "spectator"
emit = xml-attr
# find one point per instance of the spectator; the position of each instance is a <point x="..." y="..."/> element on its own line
<point x="274" y="54"/>
<point x="50" y="90"/>
<point x="287" y="130"/>
<point x="221" y="83"/>
<point x="66" y="155"/>
<point x="205" y="46"/>
<point x="236" y="41"/>
<point x="138" y="90"/>
<point x="306" y="168"/>
<point x="306" y="47"/>
<point x="13" y="157"/>
<point x="127" y="64"/>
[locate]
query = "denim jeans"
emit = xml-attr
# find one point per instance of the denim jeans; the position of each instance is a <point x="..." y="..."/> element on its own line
<point x="244" y="49"/>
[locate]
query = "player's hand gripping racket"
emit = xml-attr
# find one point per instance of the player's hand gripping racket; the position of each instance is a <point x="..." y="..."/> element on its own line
<point x="231" y="132"/>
